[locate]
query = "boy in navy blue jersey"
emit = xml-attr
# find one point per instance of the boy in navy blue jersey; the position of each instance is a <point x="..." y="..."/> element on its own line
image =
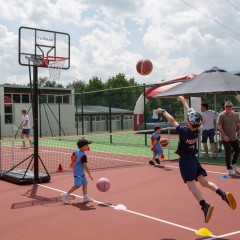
<point x="156" y="146"/>
<point x="190" y="168"/>
<point x="79" y="165"/>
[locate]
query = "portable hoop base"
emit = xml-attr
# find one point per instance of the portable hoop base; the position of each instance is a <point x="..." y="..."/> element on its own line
<point x="22" y="177"/>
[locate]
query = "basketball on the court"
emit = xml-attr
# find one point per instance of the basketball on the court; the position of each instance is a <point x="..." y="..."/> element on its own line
<point x="163" y="142"/>
<point x="103" y="184"/>
<point x="144" y="66"/>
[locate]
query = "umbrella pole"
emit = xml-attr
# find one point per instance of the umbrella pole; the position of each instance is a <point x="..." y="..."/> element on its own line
<point x="216" y="133"/>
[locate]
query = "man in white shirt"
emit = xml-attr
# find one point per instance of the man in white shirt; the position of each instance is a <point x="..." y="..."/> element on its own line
<point x="208" y="129"/>
<point x="25" y="128"/>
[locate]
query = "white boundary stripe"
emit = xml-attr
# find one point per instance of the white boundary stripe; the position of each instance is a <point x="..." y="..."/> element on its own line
<point x="107" y="158"/>
<point x="206" y="170"/>
<point x="129" y="211"/>
<point x="222" y="236"/>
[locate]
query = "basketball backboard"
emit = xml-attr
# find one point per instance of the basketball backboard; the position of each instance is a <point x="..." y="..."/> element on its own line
<point x="35" y="44"/>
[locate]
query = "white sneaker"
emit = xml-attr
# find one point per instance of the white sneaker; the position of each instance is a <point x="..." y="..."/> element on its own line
<point x="231" y="172"/>
<point x="87" y="199"/>
<point x="64" y="198"/>
<point x="234" y="167"/>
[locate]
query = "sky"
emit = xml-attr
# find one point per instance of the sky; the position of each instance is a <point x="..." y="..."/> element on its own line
<point x="109" y="37"/>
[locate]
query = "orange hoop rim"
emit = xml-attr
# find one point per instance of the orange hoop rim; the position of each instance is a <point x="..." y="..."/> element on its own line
<point x="48" y="59"/>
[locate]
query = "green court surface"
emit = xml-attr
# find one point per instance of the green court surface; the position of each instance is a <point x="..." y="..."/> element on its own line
<point x="129" y="143"/>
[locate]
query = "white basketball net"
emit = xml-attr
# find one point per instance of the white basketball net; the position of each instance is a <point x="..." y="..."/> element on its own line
<point x="55" y="65"/>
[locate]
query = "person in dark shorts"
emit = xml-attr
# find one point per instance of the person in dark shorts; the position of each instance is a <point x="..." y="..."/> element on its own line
<point x="190" y="168"/>
<point x="25" y="128"/>
<point x="208" y="129"/>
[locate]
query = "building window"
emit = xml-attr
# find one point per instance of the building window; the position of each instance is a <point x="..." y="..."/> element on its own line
<point x="62" y="99"/>
<point x="50" y="98"/>
<point x="7" y="98"/>
<point x="66" y="99"/>
<point x="43" y="99"/>
<point x="16" y="98"/>
<point x="116" y="117"/>
<point x="126" y="117"/>
<point x="8" y="113"/>
<point x="58" y="99"/>
<point x="25" y="98"/>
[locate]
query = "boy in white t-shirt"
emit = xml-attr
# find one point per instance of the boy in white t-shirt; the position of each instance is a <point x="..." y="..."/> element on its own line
<point x="25" y="128"/>
<point x="208" y="128"/>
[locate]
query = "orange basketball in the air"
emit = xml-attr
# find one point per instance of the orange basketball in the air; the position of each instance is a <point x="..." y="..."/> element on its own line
<point x="163" y="142"/>
<point x="144" y="66"/>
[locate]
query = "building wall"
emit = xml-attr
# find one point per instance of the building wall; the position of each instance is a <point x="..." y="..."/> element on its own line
<point x="47" y="120"/>
<point x="47" y="124"/>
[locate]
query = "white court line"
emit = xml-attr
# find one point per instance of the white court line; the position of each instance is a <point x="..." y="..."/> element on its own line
<point x="48" y="151"/>
<point x="129" y="211"/>
<point x="206" y="170"/>
<point x="224" y="235"/>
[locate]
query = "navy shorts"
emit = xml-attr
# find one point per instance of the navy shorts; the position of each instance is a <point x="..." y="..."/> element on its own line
<point x="26" y="131"/>
<point x="80" y="180"/>
<point x="157" y="151"/>
<point x="190" y="168"/>
<point x="210" y="133"/>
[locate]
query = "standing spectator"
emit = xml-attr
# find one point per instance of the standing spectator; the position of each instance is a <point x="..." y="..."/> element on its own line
<point x="228" y="124"/>
<point x="208" y="130"/>
<point x="220" y="137"/>
<point x="25" y="128"/>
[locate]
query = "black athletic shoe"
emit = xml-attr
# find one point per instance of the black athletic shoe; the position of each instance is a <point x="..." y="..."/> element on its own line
<point x="229" y="199"/>
<point x="157" y="160"/>
<point x="151" y="162"/>
<point x="207" y="210"/>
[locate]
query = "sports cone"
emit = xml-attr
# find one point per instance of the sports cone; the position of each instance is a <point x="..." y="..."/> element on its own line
<point x="162" y="156"/>
<point x="60" y="168"/>
<point x="203" y="232"/>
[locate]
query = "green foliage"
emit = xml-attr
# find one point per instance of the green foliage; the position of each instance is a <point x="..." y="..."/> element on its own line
<point x="220" y="100"/>
<point x="78" y="86"/>
<point x="45" y="82"/>
<point x="117" y="92"/>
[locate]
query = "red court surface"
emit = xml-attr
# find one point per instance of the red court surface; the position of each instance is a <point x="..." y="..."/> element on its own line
<point x="159" y="207"/>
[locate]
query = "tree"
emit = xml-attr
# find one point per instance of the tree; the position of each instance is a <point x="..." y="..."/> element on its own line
<point x="124" y="95"/>
<point x="78" y="86"/>
<point x="95" y="84"/>
<point x="45" y="82"/>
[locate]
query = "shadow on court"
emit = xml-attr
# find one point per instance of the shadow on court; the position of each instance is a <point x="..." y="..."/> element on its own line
<point x="84" y="206"/>
<point x="38" y="200"/>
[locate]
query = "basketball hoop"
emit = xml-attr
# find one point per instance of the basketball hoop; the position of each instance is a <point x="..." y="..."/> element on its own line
<point x="54" y="65"/>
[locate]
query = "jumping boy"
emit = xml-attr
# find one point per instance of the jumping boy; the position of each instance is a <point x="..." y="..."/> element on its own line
<point x="190" y="168"/>
<point x="156" y="146"/>
<point x="79" y="165"/>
